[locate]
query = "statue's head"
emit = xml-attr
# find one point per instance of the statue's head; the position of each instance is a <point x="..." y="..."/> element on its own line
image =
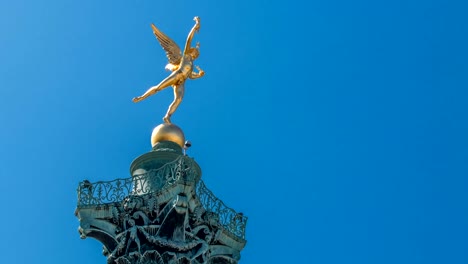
<point x="194" y="52"/>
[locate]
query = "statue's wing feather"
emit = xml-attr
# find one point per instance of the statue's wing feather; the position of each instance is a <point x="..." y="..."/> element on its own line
<point x="173" y="52"/>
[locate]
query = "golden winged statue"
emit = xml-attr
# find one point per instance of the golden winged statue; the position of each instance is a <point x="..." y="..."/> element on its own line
<point x="181" y="65"/>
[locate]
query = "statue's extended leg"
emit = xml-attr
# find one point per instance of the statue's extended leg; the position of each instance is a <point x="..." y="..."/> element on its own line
<point x="178" y="96"/>
<point x="128" y="246"/>
<point x="138" y="245"/>
<point x="170" y="80"/>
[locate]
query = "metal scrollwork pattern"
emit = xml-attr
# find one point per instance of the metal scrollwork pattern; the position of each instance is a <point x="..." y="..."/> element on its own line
<point x="106" y="192"/>
<point x="177" y="171"/>
<point x="229" y="219"/>
<point x="101" y="193"/>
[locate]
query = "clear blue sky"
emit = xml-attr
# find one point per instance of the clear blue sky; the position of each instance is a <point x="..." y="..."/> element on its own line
<point x="338" y="127"/>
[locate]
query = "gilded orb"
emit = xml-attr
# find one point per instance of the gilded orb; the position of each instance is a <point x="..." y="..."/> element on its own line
<point x="168" y="132"/>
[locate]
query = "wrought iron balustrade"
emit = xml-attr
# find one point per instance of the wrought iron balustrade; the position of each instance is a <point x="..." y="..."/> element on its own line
<point x="177" y="171"/>
<point x="230" y="220"/>
<point x="106" y="192"/>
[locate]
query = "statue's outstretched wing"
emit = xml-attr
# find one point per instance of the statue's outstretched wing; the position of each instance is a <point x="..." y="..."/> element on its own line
<point x="173" y="52"/>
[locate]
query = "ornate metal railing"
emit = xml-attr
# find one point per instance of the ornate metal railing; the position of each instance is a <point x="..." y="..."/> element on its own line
<point x="177" y="171"/>
<point x="231" y="220"/>
<point x="106" y="192"/>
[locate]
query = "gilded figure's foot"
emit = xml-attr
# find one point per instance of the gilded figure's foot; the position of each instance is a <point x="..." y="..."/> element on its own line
<point x="167" y="119"/>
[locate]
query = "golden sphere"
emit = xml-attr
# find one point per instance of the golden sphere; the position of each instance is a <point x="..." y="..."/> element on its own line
<point x="168" y="132"/>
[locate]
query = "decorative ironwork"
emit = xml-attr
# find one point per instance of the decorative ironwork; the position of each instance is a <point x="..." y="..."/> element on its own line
<point x="229" y="219"/>
<point x="106" y="192"/>
<point x="155" y="181"/>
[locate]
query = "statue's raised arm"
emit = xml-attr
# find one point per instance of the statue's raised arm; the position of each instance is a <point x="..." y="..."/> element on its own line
<point x="195" y="28"/>
<point x="181" y="65"/>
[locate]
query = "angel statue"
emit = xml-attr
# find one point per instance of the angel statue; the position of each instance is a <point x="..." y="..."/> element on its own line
<point x="181" y="65"/>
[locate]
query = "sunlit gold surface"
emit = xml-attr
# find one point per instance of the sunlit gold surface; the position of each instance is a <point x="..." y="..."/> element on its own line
<point x="168" y="132"/>
<point x="181" y="65"/>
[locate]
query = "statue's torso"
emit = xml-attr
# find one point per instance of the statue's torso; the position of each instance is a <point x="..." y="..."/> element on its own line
<point x="186" y="66"/>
